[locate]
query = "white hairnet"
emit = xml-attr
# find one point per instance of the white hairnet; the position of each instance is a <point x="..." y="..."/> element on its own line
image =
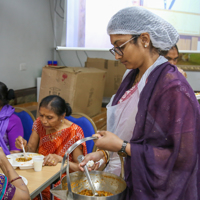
<point x="136" y="20"/>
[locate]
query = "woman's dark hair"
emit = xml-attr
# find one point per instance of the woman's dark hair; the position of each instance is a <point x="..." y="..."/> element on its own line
<point x="56" y="104"/>
<point x="135" y="38"/>
<point x="176" y="47"/>
<point x="164" y="53"/>
<point x="5" y="94"/>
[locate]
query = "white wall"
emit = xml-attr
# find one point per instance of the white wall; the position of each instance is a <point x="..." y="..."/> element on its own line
<point x="26" y="36"/>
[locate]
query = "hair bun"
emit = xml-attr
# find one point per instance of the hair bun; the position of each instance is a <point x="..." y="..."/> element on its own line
<point x="68" y="109"/>
<point x="10" y="94"/>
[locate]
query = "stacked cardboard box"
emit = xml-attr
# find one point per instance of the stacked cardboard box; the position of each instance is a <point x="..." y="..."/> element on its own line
<point x="81" y="87"/>
<point x="115" y="71"/>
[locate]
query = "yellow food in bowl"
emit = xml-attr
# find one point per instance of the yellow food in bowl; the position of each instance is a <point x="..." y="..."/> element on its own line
<point x="23" y="159"/>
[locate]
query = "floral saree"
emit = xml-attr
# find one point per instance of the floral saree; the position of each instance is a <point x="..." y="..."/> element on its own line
<point x="57" y="143"/>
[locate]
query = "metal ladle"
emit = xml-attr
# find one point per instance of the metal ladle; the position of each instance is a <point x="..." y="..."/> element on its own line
<point x="80" y="159"/>
<point x="67" y="153"/>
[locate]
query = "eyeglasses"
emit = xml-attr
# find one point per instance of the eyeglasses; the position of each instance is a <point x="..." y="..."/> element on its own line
<point x="118" y="49"/>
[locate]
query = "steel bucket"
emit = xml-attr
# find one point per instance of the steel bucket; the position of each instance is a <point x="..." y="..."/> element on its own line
<point x="75" y="182"/>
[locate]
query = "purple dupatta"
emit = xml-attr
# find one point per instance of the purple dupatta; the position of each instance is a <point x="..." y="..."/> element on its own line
<point x="165" y="144"/>
<point x="5" y="114"/>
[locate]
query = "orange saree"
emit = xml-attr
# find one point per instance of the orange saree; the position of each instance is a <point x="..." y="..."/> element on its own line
<point x="57" y="143"/>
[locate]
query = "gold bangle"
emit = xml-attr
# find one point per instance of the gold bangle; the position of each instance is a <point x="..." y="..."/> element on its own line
<point x="108" y="155"/>
<point x="104" y="153"/>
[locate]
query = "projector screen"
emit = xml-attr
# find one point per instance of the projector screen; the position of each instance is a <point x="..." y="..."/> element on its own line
<point x="86" y="21"/>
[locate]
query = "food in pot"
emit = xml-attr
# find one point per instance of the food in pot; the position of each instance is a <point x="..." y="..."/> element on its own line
<point x="22" y="159"/>
<point x="87" y="192"/>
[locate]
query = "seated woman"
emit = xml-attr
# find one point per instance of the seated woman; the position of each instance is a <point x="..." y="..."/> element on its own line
<point x="53" y="134"/>
<point x="11" y="184"/>
<point x="11" y="125"/>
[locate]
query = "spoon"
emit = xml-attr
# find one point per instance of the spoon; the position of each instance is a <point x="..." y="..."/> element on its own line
<point x="24" y="152"/>
<point x="80" y="159"/>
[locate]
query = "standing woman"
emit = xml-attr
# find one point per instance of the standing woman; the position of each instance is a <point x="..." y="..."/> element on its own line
<point x="10" y="124"/>
<point x="153" y="119"/>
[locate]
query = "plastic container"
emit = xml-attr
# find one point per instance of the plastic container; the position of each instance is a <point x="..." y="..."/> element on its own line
<point x="49" y="62"/>
<point x="37" y="163"/>
<point x="55" y="63"/>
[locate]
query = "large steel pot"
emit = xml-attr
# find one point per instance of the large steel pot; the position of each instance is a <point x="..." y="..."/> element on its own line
<point x="75" y="182"/>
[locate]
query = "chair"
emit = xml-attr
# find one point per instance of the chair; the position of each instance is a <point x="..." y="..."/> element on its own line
<point x="27" y="120"/>
<point x="87" y="125"/>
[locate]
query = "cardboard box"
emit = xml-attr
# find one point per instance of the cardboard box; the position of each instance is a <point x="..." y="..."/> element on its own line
<point x="115" y="71"/>
<point x="81" y="87"/>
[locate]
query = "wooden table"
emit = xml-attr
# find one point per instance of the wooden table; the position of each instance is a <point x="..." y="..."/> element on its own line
<point x="38" y="181"/>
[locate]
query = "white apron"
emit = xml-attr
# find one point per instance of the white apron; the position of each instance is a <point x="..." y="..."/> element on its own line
<point x="121" y="121"/>
<point x="121" y="117"/>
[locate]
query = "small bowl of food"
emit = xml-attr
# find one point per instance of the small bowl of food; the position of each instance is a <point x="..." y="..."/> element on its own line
<point x="23" y="159"/>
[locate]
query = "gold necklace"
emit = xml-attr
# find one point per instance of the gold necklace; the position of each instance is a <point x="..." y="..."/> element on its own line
<point x="57" y="133"/>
